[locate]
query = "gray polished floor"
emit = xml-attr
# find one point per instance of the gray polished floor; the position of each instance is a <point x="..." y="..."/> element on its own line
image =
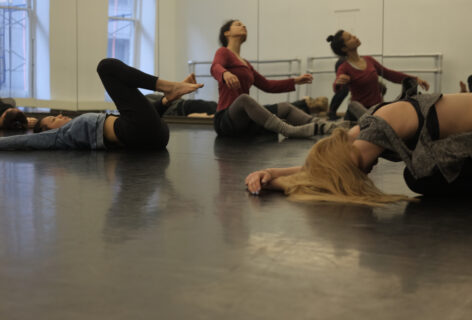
<point x="174" y="235"/>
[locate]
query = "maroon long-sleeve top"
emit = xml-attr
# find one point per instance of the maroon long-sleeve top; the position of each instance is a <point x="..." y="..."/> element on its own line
<point x="225" y="60"/>
<point x="364" y="84"/>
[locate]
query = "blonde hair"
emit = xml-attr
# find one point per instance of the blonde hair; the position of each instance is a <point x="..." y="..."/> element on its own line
<point x="329" y="174"/>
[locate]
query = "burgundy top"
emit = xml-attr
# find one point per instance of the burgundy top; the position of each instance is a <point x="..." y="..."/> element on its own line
<point x="364" y="84"/>
<point x="225" y="60"/>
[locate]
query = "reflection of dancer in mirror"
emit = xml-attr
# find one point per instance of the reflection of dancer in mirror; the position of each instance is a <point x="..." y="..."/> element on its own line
<point x="12" y="118"/>
<point x="237" y="111"/>
<point x="431" y="133"/>
<point x="198" y="108"/>
<point x="468" y="87"/>
<point x="361" y="74"/>
<point x="138" y="126"/>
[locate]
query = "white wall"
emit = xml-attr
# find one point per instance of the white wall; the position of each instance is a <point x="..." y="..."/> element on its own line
<point x="432" y="26"/>
<point x="63" y="53"/>
<point x="92" y="35"/>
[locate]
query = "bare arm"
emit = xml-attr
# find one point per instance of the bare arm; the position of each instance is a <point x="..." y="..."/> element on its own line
<point x="267" y="178"/>
<point x="31" y="122"/>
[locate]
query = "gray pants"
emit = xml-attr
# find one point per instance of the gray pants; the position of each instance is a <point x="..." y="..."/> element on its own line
<point x="245" y="112"/>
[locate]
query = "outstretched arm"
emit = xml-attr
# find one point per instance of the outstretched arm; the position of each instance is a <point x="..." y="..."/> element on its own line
<point x="396" y="76"/>
<point x="38" y="141"/>
<point x="267" y="178"/>
<point x="274" y="86"/>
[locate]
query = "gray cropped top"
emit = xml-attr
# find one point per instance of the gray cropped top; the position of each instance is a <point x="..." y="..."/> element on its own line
<point x="447" y="155"/>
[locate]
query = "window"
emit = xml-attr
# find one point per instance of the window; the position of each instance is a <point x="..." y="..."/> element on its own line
<point x="121" y="30"/>
<point x="15" y="48"/>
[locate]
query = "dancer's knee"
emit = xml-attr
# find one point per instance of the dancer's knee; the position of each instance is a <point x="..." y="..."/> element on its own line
<point x="244" y="99"/>
<point x="106" y="65"/>
<point x="284" y="108"/>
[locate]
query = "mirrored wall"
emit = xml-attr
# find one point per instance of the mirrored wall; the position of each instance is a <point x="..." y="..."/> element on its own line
<point x="424" y="38"/>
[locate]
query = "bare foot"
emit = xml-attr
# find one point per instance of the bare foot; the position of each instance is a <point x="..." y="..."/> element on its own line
<point x="463" y="86"/>
<point x="190" y="78"/>
<point x="174" y="90"/>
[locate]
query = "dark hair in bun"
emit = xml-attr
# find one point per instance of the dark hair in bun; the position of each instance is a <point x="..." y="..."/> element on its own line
<point x="337" y="43"/>
<point x="225" y="27"/>
<point x="15" y="120"/>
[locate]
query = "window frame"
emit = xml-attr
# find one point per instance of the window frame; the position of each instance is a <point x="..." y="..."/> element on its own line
<point x="134" y="20"/>
<point x="30" y="63"/>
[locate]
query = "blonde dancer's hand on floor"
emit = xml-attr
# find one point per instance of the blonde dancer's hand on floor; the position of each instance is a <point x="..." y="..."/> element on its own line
<point x="256" y="180"/>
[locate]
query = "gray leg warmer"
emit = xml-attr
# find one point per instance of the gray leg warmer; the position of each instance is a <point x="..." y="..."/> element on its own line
<point x="326" y="127"/>
<point x="275" y="124"/>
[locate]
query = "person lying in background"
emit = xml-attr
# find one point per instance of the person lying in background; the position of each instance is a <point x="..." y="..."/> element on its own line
<point x="207" y="108"/>
<point x="12" y="118"/>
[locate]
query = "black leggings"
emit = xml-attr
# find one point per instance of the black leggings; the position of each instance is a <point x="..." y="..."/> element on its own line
<point x="139" y="124"/>
<point x="437" y="185"/>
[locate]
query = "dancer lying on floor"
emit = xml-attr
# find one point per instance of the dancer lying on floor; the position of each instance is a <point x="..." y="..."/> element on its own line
<point x="138" y="126"/>
<point x="12" y="118"/>
<point x="361" y="73"/>
<point x="238" y="113"/>
<point x="207" y="108"/>
<point x="431" y="133"/>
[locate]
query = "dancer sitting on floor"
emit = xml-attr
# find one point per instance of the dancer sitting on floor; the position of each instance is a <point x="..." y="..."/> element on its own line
<point x="431" y="133"/>
<point x="138" y="126"/>
<point x="342" y="92"/>
<point x="361" y="74"/>
<point x="238" y="113"/>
